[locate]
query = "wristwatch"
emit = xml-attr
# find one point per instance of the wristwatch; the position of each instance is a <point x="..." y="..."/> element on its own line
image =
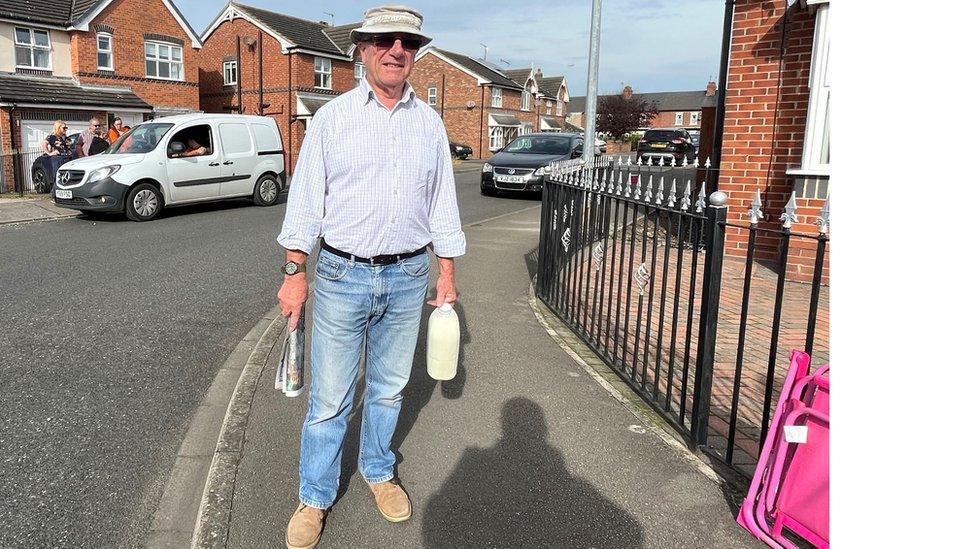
<point x="293" y="267"/>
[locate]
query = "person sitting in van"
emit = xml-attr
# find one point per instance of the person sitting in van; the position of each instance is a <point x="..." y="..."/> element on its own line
<point x="194" y="147"/>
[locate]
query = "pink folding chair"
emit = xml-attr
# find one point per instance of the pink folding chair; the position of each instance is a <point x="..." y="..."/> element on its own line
<point x="790" y="488"/>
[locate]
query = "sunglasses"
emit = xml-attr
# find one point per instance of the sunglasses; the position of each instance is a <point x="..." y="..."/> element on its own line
<point x="386" y="42"/>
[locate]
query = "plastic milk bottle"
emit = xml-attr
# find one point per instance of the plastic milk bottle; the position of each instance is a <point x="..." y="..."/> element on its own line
<point x="443" y="341"/>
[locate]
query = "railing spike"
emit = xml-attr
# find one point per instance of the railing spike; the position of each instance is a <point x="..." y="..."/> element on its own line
<point x="755" y="211"/>
<point x="695" y="163"/>
<point x="702" y="201"/>
<point x="708" y="162"/>
<point x="628" y="162"/>
<point x="620" y="182"/>
<point x="659" y="197"/>
<point x="650" y="188"/>
<point x="673" y="194"/>
<point x="788" y="216"/>
<point x="685" y="163"/>
<point x="686" y="199"/>
<point x="823" y="221"/>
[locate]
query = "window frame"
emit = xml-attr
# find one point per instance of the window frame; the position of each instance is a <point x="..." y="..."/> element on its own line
<point x="495" y="136"/>
<point x="159" y="60"/>
<point x="327" y="74"/>
<point x="526" y="100"/>
<point x="548" y="107"/>
<point x="679" y="118"/>
<point x="696" y="118"/>
<point x="33" y="46"/>
<point x="559" y="107"/>
<point x="816" y="135"/>
<point x="432" y="96"/>
<point x="358" y="72"/>
<point x="496" y="97"/>
<point x="233" y="67"/>
<point x="110" y="51"/>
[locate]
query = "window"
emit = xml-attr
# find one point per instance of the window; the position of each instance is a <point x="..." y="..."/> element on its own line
<point x="266" y="138"/>
<point x="816" y="138"/>
<point x="548" y="107"/>
<point x="33" y="48"/>
<point x="496" y="97"/>
<point x="359" y="70"/>
<point x="235" y="139"/>
<point x="695" y="118"/>
<point x="559" y="108"/>
<point x="679" y="118"/>
<point x="105" y="61"/>
<point x="323" y="73"/>
<point x="192" y="139"/>
<point x="164" y="61"/>
<point x="526" y="100"/>
<point x="432" y="96"/>
<point x="230" y="73"/>
<point x="495" y="137"/>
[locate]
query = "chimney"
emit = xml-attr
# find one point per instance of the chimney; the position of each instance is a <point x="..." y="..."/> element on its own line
<point x="710" y="89"/>
<point x="627" y="93"/>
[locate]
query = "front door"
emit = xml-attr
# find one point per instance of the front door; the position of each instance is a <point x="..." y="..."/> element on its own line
<point x="193" y="166"/>
<point x="239" y="159"/>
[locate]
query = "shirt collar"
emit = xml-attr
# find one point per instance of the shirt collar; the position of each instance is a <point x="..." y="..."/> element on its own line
<point x="366" y="92"/>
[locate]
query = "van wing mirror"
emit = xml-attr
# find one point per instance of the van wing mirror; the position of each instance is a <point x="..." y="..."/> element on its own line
<point x="176" y="147"/>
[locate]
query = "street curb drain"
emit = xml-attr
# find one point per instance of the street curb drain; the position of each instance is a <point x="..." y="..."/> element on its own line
<point x="606" y="378"/>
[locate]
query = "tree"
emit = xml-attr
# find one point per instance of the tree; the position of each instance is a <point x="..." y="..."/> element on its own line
<point x="619" y="114"/>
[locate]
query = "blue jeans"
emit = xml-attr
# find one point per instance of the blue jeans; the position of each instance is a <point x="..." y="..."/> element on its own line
<point x="356" y="302"/>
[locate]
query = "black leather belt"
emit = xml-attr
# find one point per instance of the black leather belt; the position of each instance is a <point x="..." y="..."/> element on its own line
<point x="376" y="259"/>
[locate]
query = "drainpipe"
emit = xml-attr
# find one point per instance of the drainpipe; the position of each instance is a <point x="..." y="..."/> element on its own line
<point x="481" y="124"/>
<point x="14" y="157"/>
<point x="291" y="118"/>
<point x="240" y="75"/>
<point x="711" y="184"/>
<point x="443" y="93"/>
<point x="261" y="73"/>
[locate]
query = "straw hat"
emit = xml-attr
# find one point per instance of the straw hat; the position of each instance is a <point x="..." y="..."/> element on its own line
<point x="390" y="20"/>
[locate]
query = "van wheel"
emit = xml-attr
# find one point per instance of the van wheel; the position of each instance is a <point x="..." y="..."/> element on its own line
<point x="143" y="203"/>
<point x="266" y="191"/>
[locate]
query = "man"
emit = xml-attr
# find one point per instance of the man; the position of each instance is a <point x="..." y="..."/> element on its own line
<point x="90" y="137"/>
<point x="193" y="148"/>
<point x="374" y="185"/>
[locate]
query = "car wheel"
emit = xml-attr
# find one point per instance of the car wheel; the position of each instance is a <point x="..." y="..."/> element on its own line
<point x="143" y="203"/>
<point x="266" y="191"/>
<point x="463" y="157"/>
<point x="39" y="179"/>
<point x="488" y="191"/>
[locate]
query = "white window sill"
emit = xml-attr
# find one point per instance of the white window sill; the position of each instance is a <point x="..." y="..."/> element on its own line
<point x="165" y="79"/>
<point x="25" y="67"/>
<point x="809" y="172"/>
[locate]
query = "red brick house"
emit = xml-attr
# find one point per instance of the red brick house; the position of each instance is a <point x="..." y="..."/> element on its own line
<point x="777" y="133"/>
<point x="77" y="59"/>
<point x="284" y="67"/>
<point x="484" y="106"/>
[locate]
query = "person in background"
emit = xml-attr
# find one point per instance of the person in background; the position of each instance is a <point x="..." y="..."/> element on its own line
<point x="56" y="146"/>
<point x="88" y="137"/>
<point x="116" y="131"/>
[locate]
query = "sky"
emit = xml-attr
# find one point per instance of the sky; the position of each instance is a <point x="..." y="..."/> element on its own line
<point x="651" y="45"/>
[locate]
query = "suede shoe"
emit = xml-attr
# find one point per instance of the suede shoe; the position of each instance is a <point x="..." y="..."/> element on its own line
<point x="392" y="502"/>
<point x="305" y="527"/>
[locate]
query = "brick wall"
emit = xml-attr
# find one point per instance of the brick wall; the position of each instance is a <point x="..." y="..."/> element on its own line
<point x="455" y="88"/>
<point x="279" y="94"/>
<point x="129" y="55"/>
<point x="765" y="120"/>
<point x="668" y="119"/>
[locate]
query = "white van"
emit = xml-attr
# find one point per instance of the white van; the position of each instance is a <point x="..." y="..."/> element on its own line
<point x="178" y="160"/>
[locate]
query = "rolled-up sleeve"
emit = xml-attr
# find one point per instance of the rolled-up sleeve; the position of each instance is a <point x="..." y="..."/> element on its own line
<point x="306" y="195"/>
<point x="445" y="222"/>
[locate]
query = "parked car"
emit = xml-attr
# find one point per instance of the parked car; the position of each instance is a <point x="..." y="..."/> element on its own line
<point x="599" y="145"/>
<point x="666" y="143"/>
<point x="178" y="160"/>
<point x="524" y="163"/>
<point x="42" y="169"/>
<point x="459" y="151"/>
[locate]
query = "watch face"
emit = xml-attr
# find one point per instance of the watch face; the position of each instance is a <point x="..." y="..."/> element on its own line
<point x="291" y="268"/>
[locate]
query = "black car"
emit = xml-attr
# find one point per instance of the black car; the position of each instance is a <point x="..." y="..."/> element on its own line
<point x="459" y="151"/>
<point x="666" y="143"/>
<point x="524" y="163"/>
<point x="42" y="170"/>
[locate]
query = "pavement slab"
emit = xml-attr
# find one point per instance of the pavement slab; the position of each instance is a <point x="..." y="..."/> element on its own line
<point x="521" y="449"/>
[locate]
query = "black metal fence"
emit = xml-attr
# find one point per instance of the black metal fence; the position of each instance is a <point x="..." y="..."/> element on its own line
<point x="20" y="172"/>
<point x="632" y="258"/>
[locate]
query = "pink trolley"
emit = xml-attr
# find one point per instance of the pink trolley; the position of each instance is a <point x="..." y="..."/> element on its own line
<point x="790" y="490"/>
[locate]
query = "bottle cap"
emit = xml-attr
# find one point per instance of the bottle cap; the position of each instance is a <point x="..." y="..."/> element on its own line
<point x="446" y="307"/>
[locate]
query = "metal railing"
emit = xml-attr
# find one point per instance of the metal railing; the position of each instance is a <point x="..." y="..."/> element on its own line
<point x="20" y="173"/>
<point x="632" y="258"/>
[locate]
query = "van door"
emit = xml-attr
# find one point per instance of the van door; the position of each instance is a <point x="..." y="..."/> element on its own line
<point x="240" y="159"/>
<point x="194" y="172"/>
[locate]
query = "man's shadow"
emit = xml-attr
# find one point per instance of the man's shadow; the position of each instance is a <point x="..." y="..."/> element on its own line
<point x="519" y="493"/>
<point x="416" y="395"/>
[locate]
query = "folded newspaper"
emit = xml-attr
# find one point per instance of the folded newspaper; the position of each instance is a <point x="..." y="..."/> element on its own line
<point x="290" y="378"/>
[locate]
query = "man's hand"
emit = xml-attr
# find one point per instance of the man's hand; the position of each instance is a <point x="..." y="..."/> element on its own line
<point x="446" y="292"/>
<point x="292" y="296"/>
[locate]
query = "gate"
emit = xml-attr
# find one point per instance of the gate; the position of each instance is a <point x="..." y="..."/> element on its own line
<point x="632" y="259"/>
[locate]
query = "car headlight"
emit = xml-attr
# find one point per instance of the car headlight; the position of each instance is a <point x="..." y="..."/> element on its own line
<point x="542" y="171"/>
<point x="101" y="173"/>
<point x="486" y="168"/>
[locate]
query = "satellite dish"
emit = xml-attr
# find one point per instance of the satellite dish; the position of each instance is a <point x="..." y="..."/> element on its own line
<point x="470" y="104"/>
